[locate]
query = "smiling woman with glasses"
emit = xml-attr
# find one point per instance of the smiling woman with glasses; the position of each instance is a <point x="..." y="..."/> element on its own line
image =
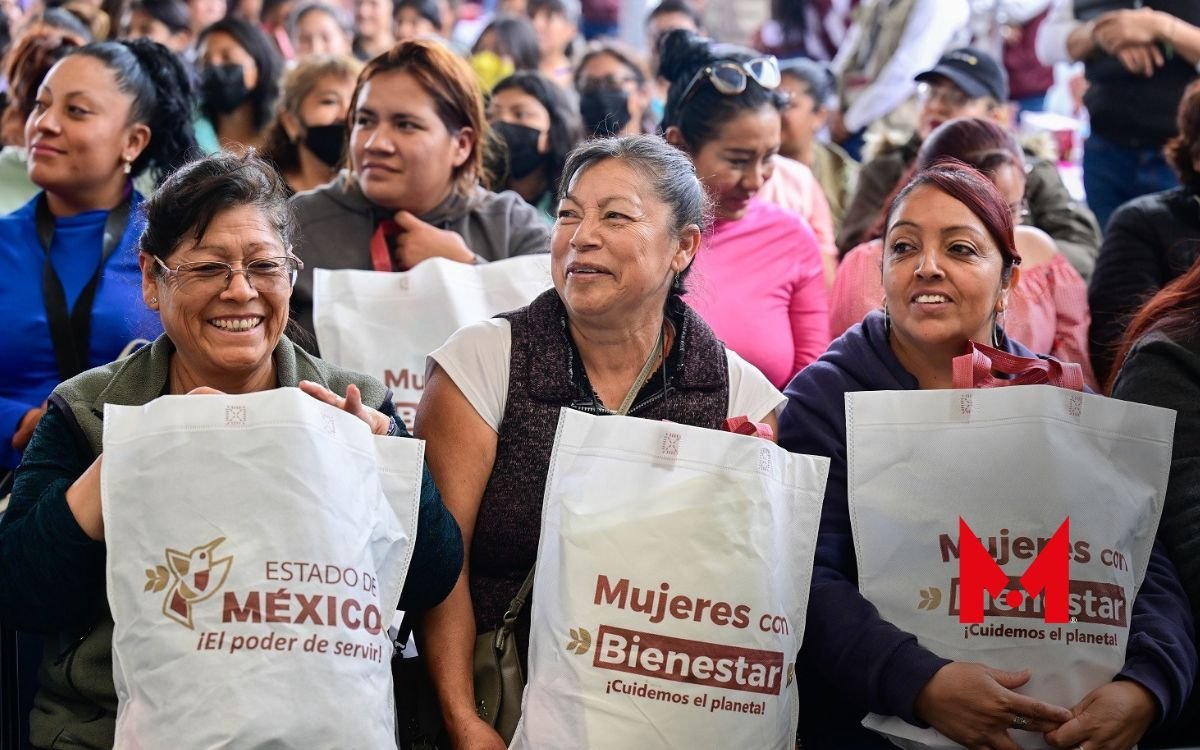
<point x="216" y="265"/>
<point x="760" y="279"/>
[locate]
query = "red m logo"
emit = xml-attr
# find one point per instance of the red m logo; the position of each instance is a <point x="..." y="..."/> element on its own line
<point x="1047" y="575"/>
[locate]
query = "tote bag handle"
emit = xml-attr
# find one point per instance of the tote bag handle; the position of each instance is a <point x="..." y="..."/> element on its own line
<point x="974" y="370"/>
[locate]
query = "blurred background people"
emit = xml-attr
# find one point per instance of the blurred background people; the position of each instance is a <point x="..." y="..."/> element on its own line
<point x="307" y="140"/>
<point x="239" y="81"/>
<point x="317" y="28"/>
<point x="538" y="125"/>
<point x="373" y="26"/>
<point x="614" y="90"/>
<point x="1124" y="53"/>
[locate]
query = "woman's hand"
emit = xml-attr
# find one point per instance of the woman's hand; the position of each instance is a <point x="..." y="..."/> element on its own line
<point x="419" y="241"/>
<point x="83" y="498"/>
<point x="351" y="404"/>
<point x="28" y="424"/>
<point x="1114" y="716"/>
<point x="1123" y="28"/>
<point x="975" y="706"/>
<point x="475" y="734"/>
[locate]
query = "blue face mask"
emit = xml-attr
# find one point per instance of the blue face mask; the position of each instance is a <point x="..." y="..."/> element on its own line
<point x="658" y="107"/>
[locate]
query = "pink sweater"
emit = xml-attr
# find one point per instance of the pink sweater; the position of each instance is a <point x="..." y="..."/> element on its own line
<point x="758" y="282"/>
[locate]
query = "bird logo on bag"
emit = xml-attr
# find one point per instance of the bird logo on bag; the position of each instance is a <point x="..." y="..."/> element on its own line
<point x="189" y="578"/>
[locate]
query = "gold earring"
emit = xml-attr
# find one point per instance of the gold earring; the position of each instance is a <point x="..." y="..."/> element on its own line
<point x="154" y="300"/>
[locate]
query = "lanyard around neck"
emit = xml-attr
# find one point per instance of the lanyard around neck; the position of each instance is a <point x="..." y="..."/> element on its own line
<point x="647" y="370"/>
<point x="70" y="331"/>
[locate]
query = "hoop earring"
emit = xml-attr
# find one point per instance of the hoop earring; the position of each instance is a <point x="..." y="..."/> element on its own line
<point x="997" y="329"/>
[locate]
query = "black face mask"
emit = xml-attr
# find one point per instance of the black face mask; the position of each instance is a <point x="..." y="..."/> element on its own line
<point x="326" y="142"/>
<point x="523" y="156"/>
<point x="604" y="112"/>
<point x="224" y="87"/>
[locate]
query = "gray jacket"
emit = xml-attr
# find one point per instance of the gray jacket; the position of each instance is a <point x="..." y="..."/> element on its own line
<point x="336" y="222"/>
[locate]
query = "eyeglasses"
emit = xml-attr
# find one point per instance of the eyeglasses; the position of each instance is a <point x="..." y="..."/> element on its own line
<point x="262" y="274"/>
<point x="730" y="78"/>
<point x="951" y="96"/>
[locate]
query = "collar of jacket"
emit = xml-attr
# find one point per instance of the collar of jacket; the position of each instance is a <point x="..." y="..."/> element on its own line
<point x="346" y="193"/>
<point x="697" y="359"/>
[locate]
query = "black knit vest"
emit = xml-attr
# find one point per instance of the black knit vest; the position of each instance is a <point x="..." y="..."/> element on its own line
<point x="543" y="380"/>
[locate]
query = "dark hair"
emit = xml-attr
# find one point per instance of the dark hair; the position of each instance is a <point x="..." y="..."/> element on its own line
<point x="706" y="110"/>
<point x="620" y="52"/>
<point x="980" y="144"/>
<point x="162" y="99"/>
<point x="185" y="204"/>
<point x="671" y="174"/>
<point x="676" y="6"/>
<point x="173" y="14"/>
<point x="266" y="58"/>
<point x="66" y="21"/>
<point x="1173" y="311"/>
<point x="297" y="84"/>
<point x="515" y="38"/>
<point x="974" y="190"/>
<point x="817" y="78"/>
<point x="450" y="82"/>
<point x="28" y="62"/>
<point x="566" y="130"/>
<point x="1184" y="149"/>
<point x="5" y="35"/>
<point x="427" y="9"/>
<point x="569" y="9"/>
<point x="339" y="16"/>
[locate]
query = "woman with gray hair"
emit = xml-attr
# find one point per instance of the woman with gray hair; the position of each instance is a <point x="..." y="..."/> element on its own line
<point x="612" y="337"/>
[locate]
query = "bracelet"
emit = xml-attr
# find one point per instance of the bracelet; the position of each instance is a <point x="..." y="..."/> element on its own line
<point x="393" y="428"/>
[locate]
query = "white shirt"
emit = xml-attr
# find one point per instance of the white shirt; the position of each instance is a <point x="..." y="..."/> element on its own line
<point x="1051" y="46"/>
<point x="477" y="359"/>
<point x="933" y="27"/>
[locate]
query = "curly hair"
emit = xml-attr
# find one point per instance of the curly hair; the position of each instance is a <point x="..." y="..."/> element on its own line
<point x="162" y="99"/>
<point x="1183" y="151"/>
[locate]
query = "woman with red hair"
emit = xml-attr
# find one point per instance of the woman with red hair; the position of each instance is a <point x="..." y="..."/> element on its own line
<point x="950" y="265"/>
<point x="1159" y="364"/>
<point x="1048" y="310"/>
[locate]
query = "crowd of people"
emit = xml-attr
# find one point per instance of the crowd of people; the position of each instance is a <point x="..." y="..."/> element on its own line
<point x="733" y="231"/>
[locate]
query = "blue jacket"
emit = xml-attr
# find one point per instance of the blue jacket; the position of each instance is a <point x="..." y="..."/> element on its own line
<point x="28" y="368"/>
<point x="858" y="662"/>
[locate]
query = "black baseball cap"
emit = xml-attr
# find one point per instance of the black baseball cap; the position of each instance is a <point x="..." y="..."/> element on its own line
<point x="975" y="72"/>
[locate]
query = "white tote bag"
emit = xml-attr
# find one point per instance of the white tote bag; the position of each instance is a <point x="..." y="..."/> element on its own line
<point x="1013" y="464"/>
<point x="671" y="588"/>
<point x="257" y="547"/>
<point x="385" y="324"/>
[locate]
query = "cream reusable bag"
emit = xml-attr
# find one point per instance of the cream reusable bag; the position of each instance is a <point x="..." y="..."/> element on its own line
<point x="257" y="546"/>
<point x="385" y="324"/>
<point x="1013" y="463"/>
<point x="672" y="581"/>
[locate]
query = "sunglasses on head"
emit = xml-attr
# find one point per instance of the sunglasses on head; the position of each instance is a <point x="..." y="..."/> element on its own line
<point x="730" y="78"/>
